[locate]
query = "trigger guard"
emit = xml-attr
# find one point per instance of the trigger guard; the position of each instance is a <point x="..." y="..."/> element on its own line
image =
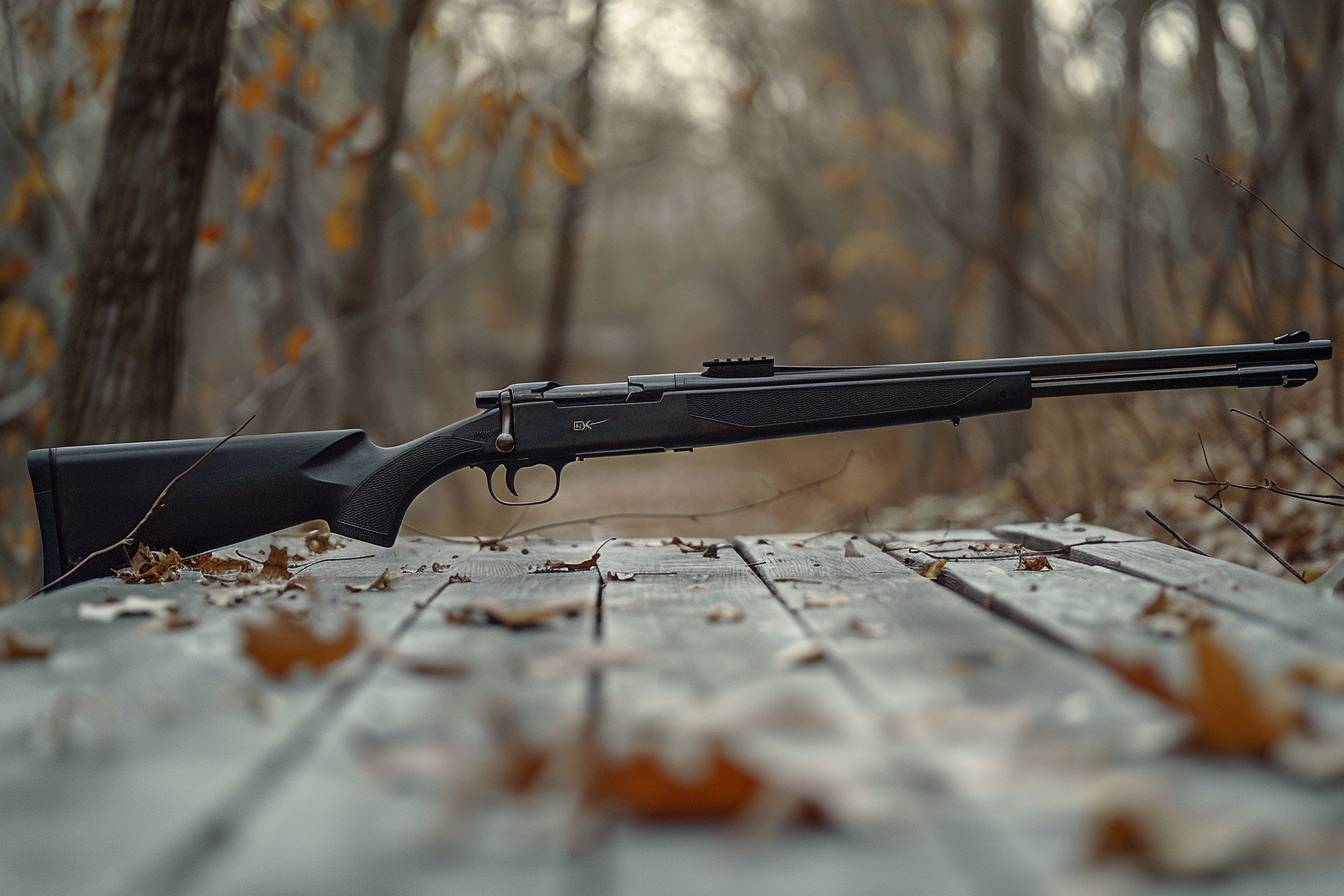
<point x="510" y="481"/>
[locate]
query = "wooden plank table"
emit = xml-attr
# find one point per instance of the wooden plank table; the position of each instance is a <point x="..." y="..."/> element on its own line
<point x="838" y="714"/>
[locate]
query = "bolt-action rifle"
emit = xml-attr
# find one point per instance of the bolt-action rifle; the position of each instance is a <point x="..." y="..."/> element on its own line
<point x="90" y="497"/>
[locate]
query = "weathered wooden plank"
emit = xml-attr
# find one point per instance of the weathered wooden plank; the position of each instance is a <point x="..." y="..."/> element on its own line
<point x="1051" y="793"/>
<point x="333" y="823"/>
<point x="964" y="694"/>
<point x="122" y="737"/>
<point x="964" y="656"/>
<point x="1300" y="611"/>
<point x="723" y="678"/>
<point x="1096" y="608"/>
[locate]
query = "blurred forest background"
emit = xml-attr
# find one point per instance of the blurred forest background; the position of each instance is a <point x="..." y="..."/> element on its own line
<point x="357" y="212"/>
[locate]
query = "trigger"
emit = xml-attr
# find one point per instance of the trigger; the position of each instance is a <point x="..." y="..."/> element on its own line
<point x="510" y="474"/>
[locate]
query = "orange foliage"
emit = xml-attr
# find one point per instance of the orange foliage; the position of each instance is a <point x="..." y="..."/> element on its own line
<point x="295" y="341"/>
<point x="211" y="233"/>
<point x="333" y="136"/>
<point x="282" y="58"/>
<point x="254" y="94"/>
<point x="14" y="269"/>
<point x="567" y="158"/>
<point x="257" y="185"/>
<point x="479" y="215"/>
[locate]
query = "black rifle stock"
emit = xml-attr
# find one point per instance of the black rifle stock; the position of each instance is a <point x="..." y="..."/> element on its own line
<point x="90" y="497"/>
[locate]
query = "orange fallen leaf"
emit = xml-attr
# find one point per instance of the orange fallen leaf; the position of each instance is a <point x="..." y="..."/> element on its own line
<point x="422" y="194"/>
<point x="276" y="566"/>
<point x="285" y="642"/>
<point x="17" y="648"/>
<point x="1229" y="714"/>
<point x="934" y="569"/>
<point x="1325" y="674"/>
<point x="382" y="583"/>
<point x="1189" y="615"/>
<point x="640" y="786"/>
<point x="319" y="541"/>
<point x="563" y="566"/>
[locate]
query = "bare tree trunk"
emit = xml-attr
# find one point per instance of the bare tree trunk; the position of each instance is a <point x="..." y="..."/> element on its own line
<point x="366" y="399"/>
<point x="565" y="266"/>
<point x="119" y="365"/>
<point x="1018" y="117"/>
<point x="1131" y="201"/>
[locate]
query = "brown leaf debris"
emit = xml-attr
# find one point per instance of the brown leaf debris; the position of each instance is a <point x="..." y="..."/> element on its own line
<point x="286" y="641"/>
<point x="15" y="647"/>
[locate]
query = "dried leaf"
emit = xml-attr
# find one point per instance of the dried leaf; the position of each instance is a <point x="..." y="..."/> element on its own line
<point x="865" y="629"/>
<point x="421" y="192"/>
<point x="933" y="570"/>
<point x="256" y="186"/>
<point x="14" y="269"/>
<point x="614" y="576"/>
<point x="688" y="547"/>
<point x="1229" y="714"/>
<point x="286" y="641"/>
<point x="802" y="653"/>
<point x="310" y="80"/>
<point x="282" y="57"/>
<point x="641" y="787"/>
<point x="295" y="342"/>
<point x="515" y="615"/>
<point x="337" y="134"/>
<point x="561" y="566"/>
<point x="567" y="158"/>
<point x="276" y="566"/>
<point x="724" y="613"/>
<point x="254" y="94"/>
<point x="319" y="541"/>
<point x="478" y="215"/>
<point x="215" y="565"/>
<point x="211" y="233"/>
<point x="431" y="667"/>
<point x="820" y="601"/>
<point x="146" y="566"/>
<point x="382" y="583"/>
<point x="69" y="101"/>
<point x="15" y="647"/>
<point x="1170" y="841"/>
<point x="1325" y="674"/>
<point x="1169" y="615"/>
<point x="132" y="606"/>
<point x="1034" y="562"/>
<point x="852" y="549"/>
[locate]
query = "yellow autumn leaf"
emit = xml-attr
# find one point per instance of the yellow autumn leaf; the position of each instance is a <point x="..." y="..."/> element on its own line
<point x="567" y="157"/>
<point x="436" y="123"/>
<point x="282" y="58"/>
<point x="479" y="215"/>
<point x="341" y="228"/>
<point x="422" y="193"/>
<point x="310" y="80"/>
<point x="257" y="185"/>
<point x="295" y="341"/>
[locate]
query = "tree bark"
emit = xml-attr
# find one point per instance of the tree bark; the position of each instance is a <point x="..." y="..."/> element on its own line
<point x="565" y="267"/>
<point x="366" y="399"/>
<point x="1017" y="113"/>
<point x="119" y="365"/>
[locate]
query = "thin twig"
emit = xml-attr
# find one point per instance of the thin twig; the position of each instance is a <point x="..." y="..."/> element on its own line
<point x="1174" y="534"/>
<point x="1236" y="182"/>
<point x="298" y="569"/>
<point x="1291" y="444"/>
<point x="1269" y="486"/>
<point x="129" y="537"/>
<point x="1217" y="496"/>
<point x="1253" y="537"/>
<point x="693" y="517"/>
